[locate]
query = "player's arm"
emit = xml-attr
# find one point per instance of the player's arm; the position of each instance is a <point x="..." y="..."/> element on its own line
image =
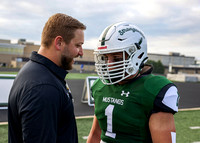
<point x="95" y="132"/>
<point x="161" y="122"/>
<point x="162" y="127"/>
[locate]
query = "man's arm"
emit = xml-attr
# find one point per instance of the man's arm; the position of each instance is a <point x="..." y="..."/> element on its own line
<point x="39" y="114"/>
<point x="162" y="128"/>
<point x="95" y="132"/>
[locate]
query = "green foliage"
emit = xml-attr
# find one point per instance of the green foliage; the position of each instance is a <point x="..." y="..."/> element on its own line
<point x="157" y="66"/>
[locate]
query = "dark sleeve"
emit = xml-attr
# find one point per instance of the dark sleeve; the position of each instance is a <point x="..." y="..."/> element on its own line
<point x="167" y="100"/>
<point x="39" y="114"/>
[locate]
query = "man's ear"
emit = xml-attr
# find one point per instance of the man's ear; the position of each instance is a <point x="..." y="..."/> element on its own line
<point x="58" y="42"/>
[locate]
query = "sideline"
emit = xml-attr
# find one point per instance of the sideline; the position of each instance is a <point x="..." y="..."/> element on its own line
<point x="3" y="123"/>
<point x="189" y="109"/>
<point x="84" y="117"/>
<point x="79" y="117"/>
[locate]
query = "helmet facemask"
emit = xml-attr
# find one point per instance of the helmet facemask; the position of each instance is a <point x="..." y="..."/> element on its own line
<point x="119" y="68"/>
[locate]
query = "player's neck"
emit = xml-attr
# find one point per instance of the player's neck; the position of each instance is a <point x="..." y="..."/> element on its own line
<point x="130" y="78"/>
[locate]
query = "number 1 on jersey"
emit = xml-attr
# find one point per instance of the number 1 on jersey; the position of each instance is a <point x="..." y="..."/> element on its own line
<point x="108" y="113"/>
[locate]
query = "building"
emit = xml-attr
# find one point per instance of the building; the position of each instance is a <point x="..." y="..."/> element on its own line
<point x="16" y="55"/>
<point x="12" y="54"/>
<point x="9" y="51"/>
<point x="173" y="59"/>
<point x="176" y="63"/>
<point x="86" y="62"/>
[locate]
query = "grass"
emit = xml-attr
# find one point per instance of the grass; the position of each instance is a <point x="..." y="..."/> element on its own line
<point x="69" y="75"/>
<point x="3" y="133"/>
<point x="183" y="120"/>
<point x="1" y="72"/>
<point x="79" y="75"/>
<point x="84" y="126"/>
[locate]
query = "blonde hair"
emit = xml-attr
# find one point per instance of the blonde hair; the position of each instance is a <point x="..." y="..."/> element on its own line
<point x="60" y="25"/>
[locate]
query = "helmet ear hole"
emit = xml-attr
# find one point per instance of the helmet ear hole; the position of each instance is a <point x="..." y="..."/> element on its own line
<point x="141" y="65"/>
<point x="140" y="56"/>
<point x="138" y="46"/>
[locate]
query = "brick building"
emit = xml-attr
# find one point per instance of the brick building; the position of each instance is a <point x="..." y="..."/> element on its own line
<point x="16" y="55"/>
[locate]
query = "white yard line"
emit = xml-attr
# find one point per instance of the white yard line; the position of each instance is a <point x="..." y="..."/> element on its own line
<point x="85" y="137"/>
<point x="195" y="127"/>
<point x="188" y="109"/>
<point x="3" y="123"/>
<point x="84" y="117"/>
<point x="3" y="108"/>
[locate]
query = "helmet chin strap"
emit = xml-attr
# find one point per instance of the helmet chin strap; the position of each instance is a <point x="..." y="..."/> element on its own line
<point x="139" y="70"/>
<point x="133" y="78"/>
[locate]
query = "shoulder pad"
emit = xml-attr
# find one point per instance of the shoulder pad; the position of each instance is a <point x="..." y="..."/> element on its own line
<point x="97" y="84"/>
<point x="155" y="83"/>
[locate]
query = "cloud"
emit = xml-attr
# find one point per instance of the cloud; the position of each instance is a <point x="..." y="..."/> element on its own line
<point x="183" y="43"/>
<point x="90" y="43"/>
<point x="168" y="25"/>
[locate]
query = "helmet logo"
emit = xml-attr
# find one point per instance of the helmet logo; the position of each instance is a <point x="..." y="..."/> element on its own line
<point x="122" y="31"/>
<point x="105" y="47"/>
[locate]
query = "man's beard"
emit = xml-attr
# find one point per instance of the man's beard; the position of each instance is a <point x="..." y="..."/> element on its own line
<point x="66" y="62"/>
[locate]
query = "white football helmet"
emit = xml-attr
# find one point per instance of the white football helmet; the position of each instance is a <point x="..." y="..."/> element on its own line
<point x="120" y="37"/>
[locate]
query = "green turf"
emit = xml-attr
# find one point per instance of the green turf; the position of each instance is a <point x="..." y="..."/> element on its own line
<point x="3" y="133"/>
<point x="79" y="75"/>
<point x="69" y="75"/>
<point x="183" y="120"/>
<point x="1" y="72"/>
<point x="84" y="126"/>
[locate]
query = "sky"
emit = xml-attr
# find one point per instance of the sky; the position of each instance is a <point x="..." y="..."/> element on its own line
<point x="169" y="25"/>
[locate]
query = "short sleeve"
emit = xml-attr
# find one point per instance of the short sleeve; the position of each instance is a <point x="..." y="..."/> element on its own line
<point x="167" y="99"/>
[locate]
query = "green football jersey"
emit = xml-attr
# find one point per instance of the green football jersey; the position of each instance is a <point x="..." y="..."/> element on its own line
<point x="123" y="111"/>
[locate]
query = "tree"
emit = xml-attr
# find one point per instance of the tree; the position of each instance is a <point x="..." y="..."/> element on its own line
<point x="157" y="66"/>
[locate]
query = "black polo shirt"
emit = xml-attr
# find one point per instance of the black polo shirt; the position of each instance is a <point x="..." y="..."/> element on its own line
<point x="40" y="108"/>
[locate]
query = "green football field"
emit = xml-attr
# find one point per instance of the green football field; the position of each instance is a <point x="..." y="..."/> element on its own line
<point x="187" y="128"/>
<point x="69" y="75"/>
<point x="187" y="122"/>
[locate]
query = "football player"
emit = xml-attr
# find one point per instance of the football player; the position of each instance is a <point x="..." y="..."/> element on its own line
<point x="131" y="104"/>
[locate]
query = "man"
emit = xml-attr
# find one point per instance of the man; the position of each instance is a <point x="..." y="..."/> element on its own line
<point x="40" y="108"/>
<point x="131" y="104"/>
